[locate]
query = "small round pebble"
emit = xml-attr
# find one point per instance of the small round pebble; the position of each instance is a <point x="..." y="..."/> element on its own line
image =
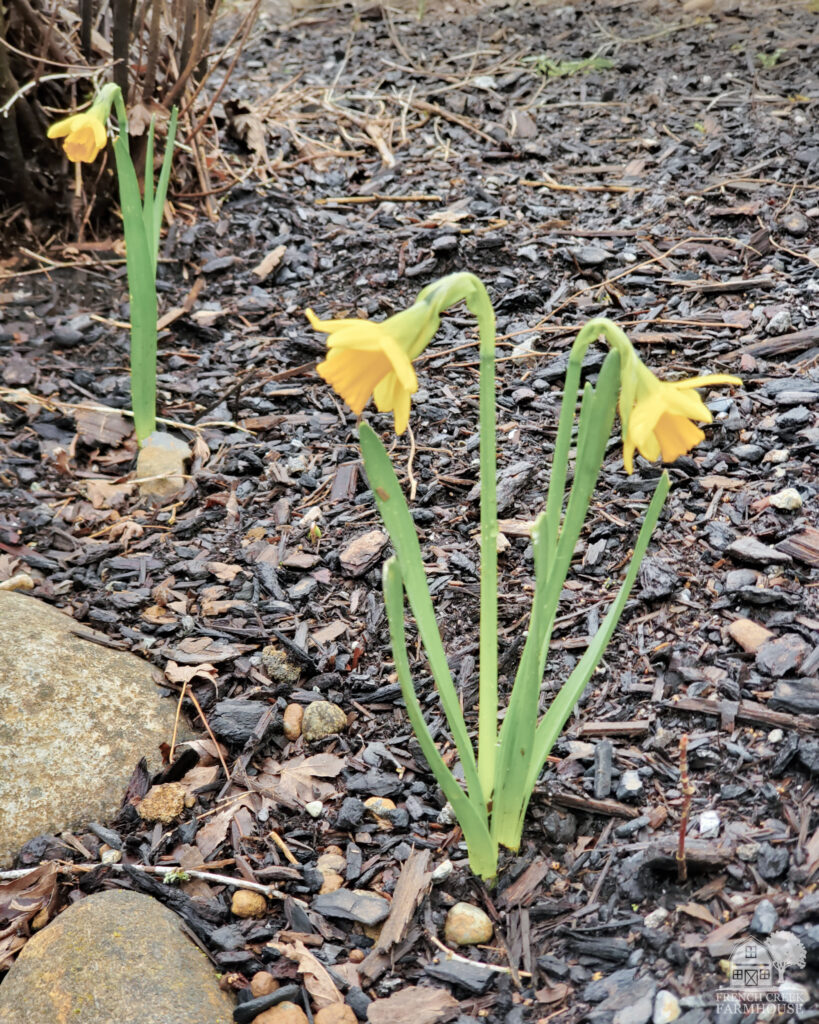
<point x="335" y="1013"/>
<point x="246" y="903"/>
<point x="467" y="925"/>
<point x="331" y="862"/>
<point x="332" y="882"/>
<point x="356" y="956"/>
<point x="279" y="667"/>
<point x="666" y="1007"/>
<point x="321" y="718"/>
<point x="291" y="721"/>
<point x="163" y="803"/>
<point x="378" y="806"/>
<point x="284" y="1013"/>
<point x="788" y="500"/>
<point x="262" y="984"/>
<point x="314" y="808"/>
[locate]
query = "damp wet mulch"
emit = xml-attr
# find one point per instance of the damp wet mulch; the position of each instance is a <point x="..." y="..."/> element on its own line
<point x="645" y="163"/>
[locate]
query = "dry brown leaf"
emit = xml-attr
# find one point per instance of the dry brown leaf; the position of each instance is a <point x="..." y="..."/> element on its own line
<point x="698" y="911"/>
<point x="297" y="781"/>
<point x="21" y="900"/>
<point x="314" y="976"/>
<point x="413" y="1005"/>
<point x="224" y="571"/>
<point x="270" y="262"/>
<point x="102" y="426"/>
<point x="184" y="673"/>
<point x="213" y="834"/>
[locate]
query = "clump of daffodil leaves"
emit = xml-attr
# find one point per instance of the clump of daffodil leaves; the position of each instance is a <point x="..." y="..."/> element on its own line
<point x="375" y="360"/>
<point x="84" y="136"/>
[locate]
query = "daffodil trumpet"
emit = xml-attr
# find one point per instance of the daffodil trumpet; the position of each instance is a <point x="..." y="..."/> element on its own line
<point x="85" y="136"/>
<point x="362" y="356"/>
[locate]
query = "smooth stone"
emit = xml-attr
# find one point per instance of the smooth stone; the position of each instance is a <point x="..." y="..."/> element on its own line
<point x="115" y="956"/>
<point x="467" y="925"/>
<point x="788" y="500"/>
<point x="160" y="467"/>
<point x="76" y="719"/>
<point x="291" y="721"/>
<point x="321" y="718"/>
<point x="284" y="1013"/>
<point x="335" y="1013"/>
<point x="749" y="634"/>
<point x="630" y="786"/>
<point x="764" y="920"/>
<point x="247" y="903"/>
<point x="666" y="1007"/>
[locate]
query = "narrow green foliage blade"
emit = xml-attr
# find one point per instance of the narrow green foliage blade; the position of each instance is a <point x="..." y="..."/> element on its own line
<point x="483" y="853"/>
<point x="396" y="516"/>
<point x="142" y="292"/>
<point x="148" y="195"/>
<point x="517" y="734"/>
<point x="570" y="693"/>
<point x="162" y="185"/>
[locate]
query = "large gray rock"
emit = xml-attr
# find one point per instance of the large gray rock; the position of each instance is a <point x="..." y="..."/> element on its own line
<point x="75" y="718"/>
<point x="116" y="956"/>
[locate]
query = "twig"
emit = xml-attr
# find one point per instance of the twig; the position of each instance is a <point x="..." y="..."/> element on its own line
<point x="150" y="869"/>
<point x="410" y="475"/>
<point x="687" y="792"/>
<point x="475" y="963"/>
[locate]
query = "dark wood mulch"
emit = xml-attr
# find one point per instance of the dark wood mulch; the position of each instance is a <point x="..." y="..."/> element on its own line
<point x="675" y="192"/>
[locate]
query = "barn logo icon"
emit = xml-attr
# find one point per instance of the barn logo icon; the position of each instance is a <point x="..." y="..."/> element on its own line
<point x="757" y="976"/>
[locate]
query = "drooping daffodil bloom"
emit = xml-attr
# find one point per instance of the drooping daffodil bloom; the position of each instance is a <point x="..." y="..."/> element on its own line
<point x="374" y="360"/>
<point x="657" y="416"/>
<point x="85" y="134"/>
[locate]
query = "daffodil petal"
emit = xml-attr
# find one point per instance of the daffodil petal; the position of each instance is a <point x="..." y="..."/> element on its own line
<point x="686" y="403"/>
<point x="676" y="435"/>
<point x="61" y="128"/>
<point x="708" y="380"/>
<point x="330" y="326"/>
<point x="354" y="375"/>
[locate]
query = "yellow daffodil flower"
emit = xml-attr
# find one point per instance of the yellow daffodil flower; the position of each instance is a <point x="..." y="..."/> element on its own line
<point x="85" y="135"/>
<point x="657" y="415"/>
<point x="374" y="360"/>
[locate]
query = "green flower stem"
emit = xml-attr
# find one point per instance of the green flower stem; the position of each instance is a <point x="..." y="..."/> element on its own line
<point x="480" y="306"/>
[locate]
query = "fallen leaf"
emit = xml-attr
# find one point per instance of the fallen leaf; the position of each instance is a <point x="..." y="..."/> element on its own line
<point x="184" y="673"/>
<point x="102" y="426"/>
<point x="103" y="494"/>
<point x="223" y="571"/>
<point x="296" y="781"/>
<point x="270" y="262"/>
<point x="413" y="1005"/>
<point x="696" y="910"/>
<point x="314" y="976"/>
<point x="213" y="834"/>
<point x="21" y="901"/>
<point x="331" y="632"/>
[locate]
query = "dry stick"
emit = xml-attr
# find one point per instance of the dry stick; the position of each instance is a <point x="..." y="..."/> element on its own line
<point x="688" y="792"/>
<point x="198" y="707"/>
<point x="149" y="869"/>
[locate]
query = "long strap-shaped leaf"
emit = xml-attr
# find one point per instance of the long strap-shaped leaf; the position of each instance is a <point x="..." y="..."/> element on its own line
<point x="561" y="707"/>
<point x="517" y="735"/>
<point x="162" y="185"/>
<point x="141" y="287"/>
<point x="471" y="815"/>
<point x="396" y="515"/>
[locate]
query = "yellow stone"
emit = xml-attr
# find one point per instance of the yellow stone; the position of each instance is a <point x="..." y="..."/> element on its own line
<point x="163" y="803"/>
<point x="247" y="903"/>
<point x="467" y="925"/>
<point x="291" y="720"/>
<point x="284" y="1013"/>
